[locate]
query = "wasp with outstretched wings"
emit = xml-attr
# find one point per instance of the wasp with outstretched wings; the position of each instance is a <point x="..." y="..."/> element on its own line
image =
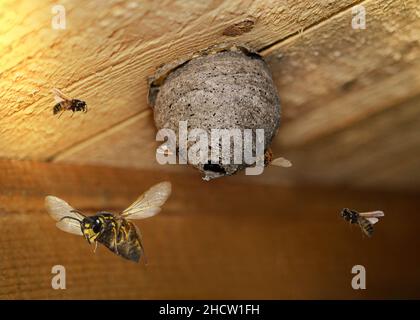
<point x="365" y="220"/>
<point x="114" y="231"/>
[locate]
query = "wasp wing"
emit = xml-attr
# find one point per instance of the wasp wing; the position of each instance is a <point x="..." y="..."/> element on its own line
<point x="59" y="96"/>
<point x="372" y="214"/>
<point x="149" y="203"/>
<point x="281" y="162"/>
<point x="372" y="220"/>
<point x="58" y="210"/>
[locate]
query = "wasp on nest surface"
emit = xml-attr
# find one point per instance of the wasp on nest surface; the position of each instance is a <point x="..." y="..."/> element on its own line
<point x="114" y="231"/>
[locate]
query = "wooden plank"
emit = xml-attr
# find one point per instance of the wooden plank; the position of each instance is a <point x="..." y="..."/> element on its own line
<point x="212" y="240"/>
<point x="332" y="76"/>
<point x="356" y="123"/>
<point x="106" y="53"/>
<point x="359" y="75"/>
<point x="380" y="151"/>
<point x="134" y="139"/>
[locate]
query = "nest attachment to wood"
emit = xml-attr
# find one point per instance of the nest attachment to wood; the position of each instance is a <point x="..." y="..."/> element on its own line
<point x="223" y="87"/>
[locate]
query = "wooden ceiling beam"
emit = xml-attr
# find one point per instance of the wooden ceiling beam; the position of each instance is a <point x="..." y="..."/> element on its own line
<point x="106" y="53"/>
<point x="221" y="239"/>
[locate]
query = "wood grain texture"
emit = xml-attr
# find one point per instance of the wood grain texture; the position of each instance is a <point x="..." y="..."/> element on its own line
<point x="212" y="240"/>
<point x="380" y="151"/>
<point x="332" y="76"/>
<point x="106" y="53"/>
<point x="361" y="85"/>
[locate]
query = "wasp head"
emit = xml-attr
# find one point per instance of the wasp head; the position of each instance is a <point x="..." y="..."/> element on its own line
<point x="349" y="215"/>
<point x="92" y="227"/>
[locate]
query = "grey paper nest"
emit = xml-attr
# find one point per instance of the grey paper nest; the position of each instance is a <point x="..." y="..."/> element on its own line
<point x="218" y="88"/>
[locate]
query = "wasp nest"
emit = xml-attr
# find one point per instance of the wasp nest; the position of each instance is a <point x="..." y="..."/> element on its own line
<point x="217" y="88"/>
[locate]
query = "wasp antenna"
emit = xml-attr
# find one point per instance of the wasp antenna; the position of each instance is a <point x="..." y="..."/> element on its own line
<point x="77" y="211"/>
<point x="72" y="218"/>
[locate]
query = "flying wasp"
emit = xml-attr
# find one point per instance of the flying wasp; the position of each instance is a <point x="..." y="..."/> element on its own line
<point x="114" y="231"/>
<point x="64" y="102"/>
<point x="365" y="220"/>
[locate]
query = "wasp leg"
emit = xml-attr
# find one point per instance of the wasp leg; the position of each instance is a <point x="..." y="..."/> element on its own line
<point x="125" y="234"/>
<point x="61" y="113"/>
<point x="115" y="239"/>
<point x="96" y="246"/>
